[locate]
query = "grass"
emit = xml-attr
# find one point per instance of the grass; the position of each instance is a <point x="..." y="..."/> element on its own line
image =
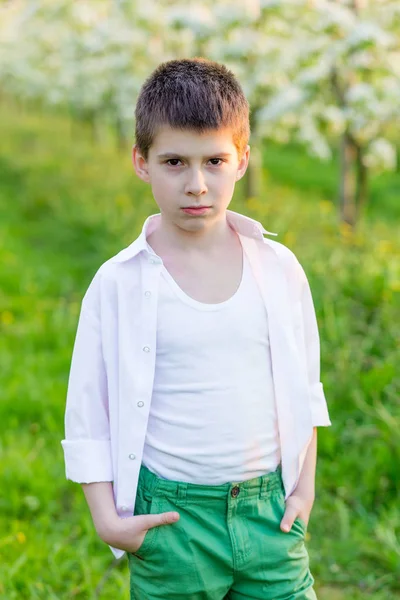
<point x="66" y="206"/>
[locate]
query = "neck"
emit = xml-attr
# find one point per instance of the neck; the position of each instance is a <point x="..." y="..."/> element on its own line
<point x="208" y="241"/>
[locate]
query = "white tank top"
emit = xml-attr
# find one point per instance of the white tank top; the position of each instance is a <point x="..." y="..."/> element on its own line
<point x="212" y="416"/>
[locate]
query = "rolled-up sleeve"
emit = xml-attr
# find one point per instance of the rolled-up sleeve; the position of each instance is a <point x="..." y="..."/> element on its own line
<point x="87" y="449"/>
<point x="319" y="408"/>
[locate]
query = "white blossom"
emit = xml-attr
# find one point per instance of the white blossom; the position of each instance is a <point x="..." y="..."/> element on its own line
<point x="94" y="56"/>
<point x="381" y="155"/>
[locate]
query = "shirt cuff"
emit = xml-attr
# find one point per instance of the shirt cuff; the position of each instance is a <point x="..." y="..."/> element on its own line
<point x="88" y="461"/>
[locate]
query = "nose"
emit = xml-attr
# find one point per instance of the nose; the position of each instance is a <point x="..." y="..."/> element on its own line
<point x="196" y="184"/>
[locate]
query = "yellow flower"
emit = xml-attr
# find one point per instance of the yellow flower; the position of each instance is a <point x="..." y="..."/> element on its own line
<point x="395" y="286"/>
<point x="385" y="247"/>
<point x="7" y="317"/>
<point x="21" y="537"/>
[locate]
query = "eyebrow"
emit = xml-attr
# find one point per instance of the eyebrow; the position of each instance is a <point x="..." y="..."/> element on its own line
<point x="174" y="155"/>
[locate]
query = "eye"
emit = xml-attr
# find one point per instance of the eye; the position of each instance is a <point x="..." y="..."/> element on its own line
<point x="172" y="159"/>
<point x="220" y="159"/>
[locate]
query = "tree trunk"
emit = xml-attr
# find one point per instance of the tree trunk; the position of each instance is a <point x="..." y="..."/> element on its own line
<point x="122" y="138"/>
<point x="254" y="171"/>
<point x="253" y="176"/>
<point x="362" y="184"/>
<point x="347" y="186"/>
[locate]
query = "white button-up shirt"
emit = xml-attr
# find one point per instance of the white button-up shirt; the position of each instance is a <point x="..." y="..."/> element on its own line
<point x="113" y="361"/>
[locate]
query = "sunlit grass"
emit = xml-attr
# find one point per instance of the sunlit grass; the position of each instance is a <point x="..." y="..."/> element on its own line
<point x="66" y="206"/>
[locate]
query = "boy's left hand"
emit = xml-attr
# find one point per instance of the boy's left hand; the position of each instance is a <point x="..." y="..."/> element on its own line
<point x="296" y="506"/>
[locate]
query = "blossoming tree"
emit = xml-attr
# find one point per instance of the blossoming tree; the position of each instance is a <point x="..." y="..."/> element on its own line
<point x="325" y="73"/>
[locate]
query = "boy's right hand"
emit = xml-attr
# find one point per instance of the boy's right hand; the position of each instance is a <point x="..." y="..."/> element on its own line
<point x="128" y="534"/>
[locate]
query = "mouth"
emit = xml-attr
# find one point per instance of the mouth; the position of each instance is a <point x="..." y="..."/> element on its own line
<point x="196" y="210"/>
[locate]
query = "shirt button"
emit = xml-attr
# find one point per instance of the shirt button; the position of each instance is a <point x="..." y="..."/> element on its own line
<point x="140" y="403"/>
<point x="124" y="508"/>
<point x="147" y="293"/>
<point x="235" y="491"/>
<point x="132" y="456"/>
<point x="146" y="349"/>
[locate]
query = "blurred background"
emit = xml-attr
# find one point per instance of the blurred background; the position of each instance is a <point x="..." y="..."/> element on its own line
<point x="323" y="82"/>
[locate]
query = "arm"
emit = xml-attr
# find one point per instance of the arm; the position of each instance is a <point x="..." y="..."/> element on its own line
<point x="87" y="448"/>
<point x="100" y="499"/>
<point x="306" y="485"/>
<point x="87" y="444"/>
<point x="319" y="408"/>
<point x="128" y="533"/>
<point x="300" y="502"/>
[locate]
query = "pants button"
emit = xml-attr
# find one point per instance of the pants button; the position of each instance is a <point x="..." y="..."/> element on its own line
<point x="235" y="491"/>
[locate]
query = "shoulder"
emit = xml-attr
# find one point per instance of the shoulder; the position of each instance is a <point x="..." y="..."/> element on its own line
<point x="291" y="265"/>
<point x="286" y="256"/>
<point x="103" y="282"/>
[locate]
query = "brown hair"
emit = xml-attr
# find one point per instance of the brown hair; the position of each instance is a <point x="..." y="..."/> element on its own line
<point x="197" y="94"/>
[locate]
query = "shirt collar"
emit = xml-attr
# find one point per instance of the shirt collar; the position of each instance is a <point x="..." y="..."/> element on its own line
<point x="240" y="223"/>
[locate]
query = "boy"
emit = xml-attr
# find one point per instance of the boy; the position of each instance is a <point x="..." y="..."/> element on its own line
<point x="194" y="391"/>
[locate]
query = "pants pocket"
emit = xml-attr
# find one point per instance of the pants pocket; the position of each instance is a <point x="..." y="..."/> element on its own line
<point x="170" y="563"/>
<point x="299" y="525"/>
<point x="146" y="504"/>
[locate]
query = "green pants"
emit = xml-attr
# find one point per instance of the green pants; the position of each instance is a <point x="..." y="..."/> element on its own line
<point x="227" y="543"/>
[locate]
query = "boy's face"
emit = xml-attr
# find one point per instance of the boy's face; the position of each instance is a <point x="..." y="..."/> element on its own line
<point x="186" y="168"/>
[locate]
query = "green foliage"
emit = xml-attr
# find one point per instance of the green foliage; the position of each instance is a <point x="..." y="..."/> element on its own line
<point x="66" y="206"/>
<point x="289" y="164"/>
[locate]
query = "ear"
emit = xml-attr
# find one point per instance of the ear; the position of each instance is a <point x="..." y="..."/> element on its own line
<point x="140" y="164"/>
<point x="244" y="161"/>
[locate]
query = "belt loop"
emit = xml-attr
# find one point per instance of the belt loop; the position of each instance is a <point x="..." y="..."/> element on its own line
<point x="181" y="493"/>
<point x="264" y="487"/>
